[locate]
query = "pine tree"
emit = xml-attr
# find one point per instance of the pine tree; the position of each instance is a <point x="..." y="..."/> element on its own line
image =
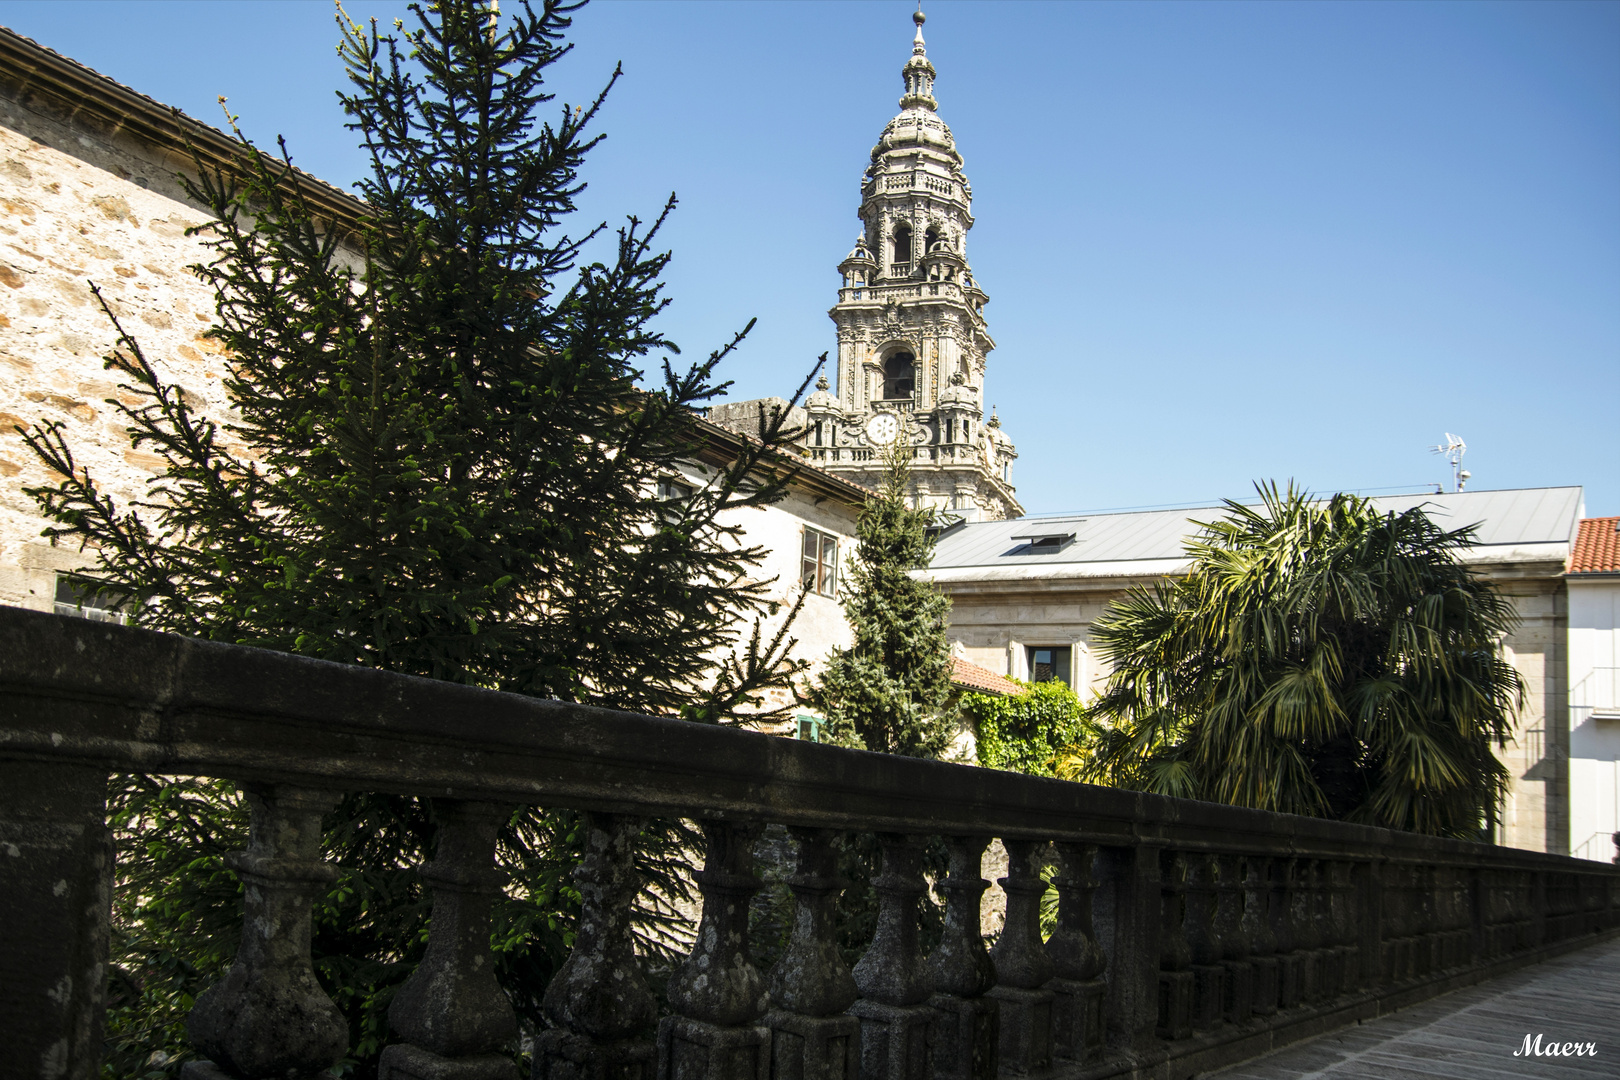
<point x="441" y="462"/>
<point x="889" y="692"/>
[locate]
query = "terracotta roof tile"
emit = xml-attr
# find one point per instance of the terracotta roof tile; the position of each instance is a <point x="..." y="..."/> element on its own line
<point x="974" y="677"/>
<point x="1597" y="547"/>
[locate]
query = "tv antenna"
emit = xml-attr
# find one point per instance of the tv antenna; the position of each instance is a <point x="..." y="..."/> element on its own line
<point x="1454" y="449"/>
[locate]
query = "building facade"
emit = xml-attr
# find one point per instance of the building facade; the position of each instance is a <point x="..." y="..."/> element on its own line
<point x="1594" y="690"/>
<point x="1025" y="595"/>
<point x="913" y="346"/>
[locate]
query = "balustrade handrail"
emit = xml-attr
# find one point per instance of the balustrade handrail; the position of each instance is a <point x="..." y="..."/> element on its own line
<point x="1175" y="918"/>
<point x="127" y="699"/>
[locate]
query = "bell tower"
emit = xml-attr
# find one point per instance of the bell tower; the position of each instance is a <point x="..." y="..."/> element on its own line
<point x="912" y="340"/>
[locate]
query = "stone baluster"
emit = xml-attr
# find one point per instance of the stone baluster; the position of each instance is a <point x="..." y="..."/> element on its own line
<point x="1423" y="910"/>
<point x="1290" y="960"/>
<point x="717" y="995"/>
<point x="1176" y="983"/>
<point x="1307" y="931"/>
<point x="1023" y="967"/>
<point x="1078" y="1032"/>
<point x="1238" y="1003"/>
<point x="268" y="1017"/>
<point x="1209" y="977"/>
<point x="1262" y="939"/>
<point x="451" y="1013"/>
<point x="1397" y="911"/>
<point x="598" y="1004"/>
<point x="1446" y="918"/>
<point x="56" y="863"/>
<point x="960" y="973"/>
<point x="1330" y="962"/>
<point x="896" y="1025"/>
<point x="1461" y="917"/>
<point x="1128" y="916"/>
<point x="1344" y="948"/>
<point x="812" y="1038"/>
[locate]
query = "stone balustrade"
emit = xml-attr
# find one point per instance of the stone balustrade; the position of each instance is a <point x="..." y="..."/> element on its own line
<point x="1186" y="935"/>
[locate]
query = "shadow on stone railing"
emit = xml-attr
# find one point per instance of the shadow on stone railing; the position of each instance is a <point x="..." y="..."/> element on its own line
<point x="1188" y="935"/>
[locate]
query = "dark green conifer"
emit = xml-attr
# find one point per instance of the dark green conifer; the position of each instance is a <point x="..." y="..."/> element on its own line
<point x="890" y="691"/>
<point x="440" y="461"/>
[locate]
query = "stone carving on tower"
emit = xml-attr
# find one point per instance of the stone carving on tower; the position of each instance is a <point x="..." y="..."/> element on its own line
<point x="912" y="341"/>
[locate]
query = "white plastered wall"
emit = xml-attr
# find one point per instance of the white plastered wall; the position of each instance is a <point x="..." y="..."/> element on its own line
<point x="1594" y="742"/>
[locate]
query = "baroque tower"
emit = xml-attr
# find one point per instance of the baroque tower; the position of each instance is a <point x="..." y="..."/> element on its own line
<point x="912" y="341"/>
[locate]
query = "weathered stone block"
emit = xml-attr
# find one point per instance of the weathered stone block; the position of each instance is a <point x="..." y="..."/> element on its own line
<point x="965" y="1037"/>
<point x="1349" y="967"/>
<point x="1079" y="1025"/>
<point x="1266" y="971"/>
<point x="1290" y="980"/>
<point x="694" y="1050"/>
<point x="564" y="1055"/>
<point x="404" y="1062"/>
<point x="814" y="1047"/>
<point x="897" y="1041"/>
<point x="1209" y="995"/>
<point x="1025" y="1043"/>
<point x="1237" y="1002"/>
<point x="1323" y="978"/>
<point x="1175" y="1004"/>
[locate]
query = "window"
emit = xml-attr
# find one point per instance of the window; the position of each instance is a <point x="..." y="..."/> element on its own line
<point x="818" y="570"/>
<point x="673" y="495"/>
<point x="87" y="603"/>
<point x="1048" y="663"/>
<point x="899" y="375"/>
<point x="902" y="244"/>
<point x="809" y="728"/>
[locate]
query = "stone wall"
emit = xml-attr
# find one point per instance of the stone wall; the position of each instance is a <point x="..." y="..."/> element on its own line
<point x="80" y="205"/>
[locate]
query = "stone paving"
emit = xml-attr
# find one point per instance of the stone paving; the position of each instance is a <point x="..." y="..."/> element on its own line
<point x="1473" y="1034"/>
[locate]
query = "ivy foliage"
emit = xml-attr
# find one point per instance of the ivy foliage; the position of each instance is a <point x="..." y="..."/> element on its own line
<point x="440" y="458"/>
<point x="1024" y="732"/>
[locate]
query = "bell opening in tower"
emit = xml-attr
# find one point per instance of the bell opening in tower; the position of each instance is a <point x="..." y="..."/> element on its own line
<point x="899" y="375"/>
<point x="902" y="244"/>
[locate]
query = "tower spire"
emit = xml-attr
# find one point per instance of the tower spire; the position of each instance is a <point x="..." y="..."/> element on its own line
<point x="918" y="72"/>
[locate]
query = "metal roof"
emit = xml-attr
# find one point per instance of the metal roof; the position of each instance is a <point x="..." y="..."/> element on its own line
<point x="1515" y="518"/>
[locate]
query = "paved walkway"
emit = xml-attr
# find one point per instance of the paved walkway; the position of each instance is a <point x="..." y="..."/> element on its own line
<point x="1472" y="1034"/>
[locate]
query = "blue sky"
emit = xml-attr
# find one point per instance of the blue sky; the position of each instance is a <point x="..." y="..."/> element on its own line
<point x="1223" y="242"/>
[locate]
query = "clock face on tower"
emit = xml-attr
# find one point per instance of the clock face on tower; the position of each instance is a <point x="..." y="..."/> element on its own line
<point x="883" y="428"/>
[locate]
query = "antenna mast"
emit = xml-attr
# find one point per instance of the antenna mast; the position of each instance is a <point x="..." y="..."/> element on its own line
<point x="1453" y="449"/>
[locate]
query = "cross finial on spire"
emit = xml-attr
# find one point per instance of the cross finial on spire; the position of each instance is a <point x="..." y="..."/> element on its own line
<point x="919" y="18"/>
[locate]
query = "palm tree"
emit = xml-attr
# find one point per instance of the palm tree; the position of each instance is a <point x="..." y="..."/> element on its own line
<point x="1319" y="658"/>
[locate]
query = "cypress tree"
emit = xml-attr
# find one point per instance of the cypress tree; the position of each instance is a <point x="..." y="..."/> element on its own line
<point x="890" y="691"/>
<point x="441" y="460"/>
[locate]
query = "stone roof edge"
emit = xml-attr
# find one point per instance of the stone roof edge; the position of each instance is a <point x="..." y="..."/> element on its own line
<point x="725" y="444"/>
<point x="83" y="94"/>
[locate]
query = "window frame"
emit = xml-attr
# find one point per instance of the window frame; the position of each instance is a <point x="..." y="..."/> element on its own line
<point x="1063" y="674"/>
<point x="818" y="562"/>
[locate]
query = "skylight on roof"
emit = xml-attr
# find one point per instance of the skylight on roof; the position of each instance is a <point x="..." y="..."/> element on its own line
<point x="1041" y="543"/>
